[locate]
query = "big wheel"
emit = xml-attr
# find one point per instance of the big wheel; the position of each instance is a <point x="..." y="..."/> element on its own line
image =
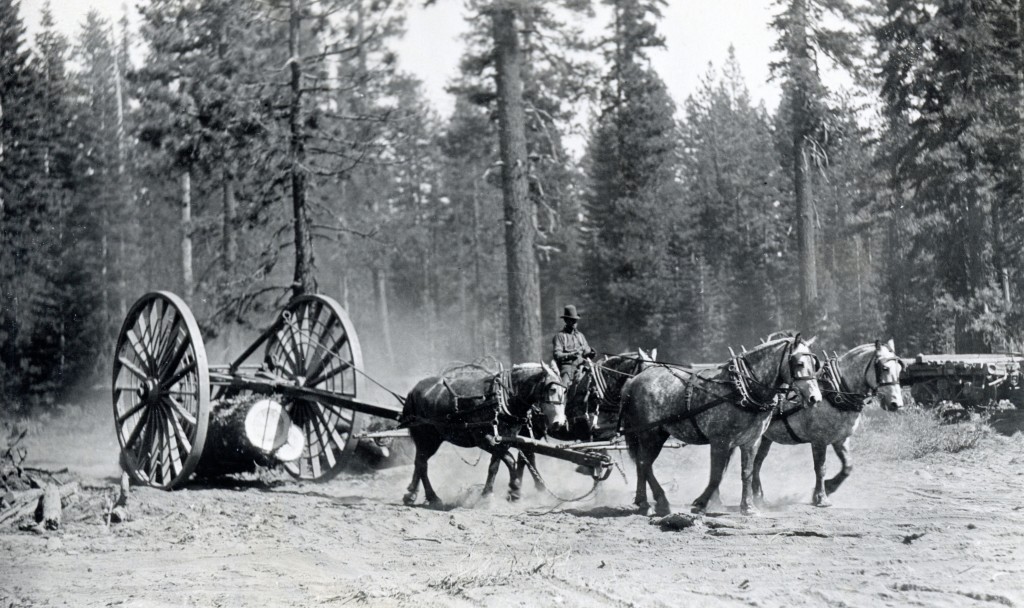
<point x="315" y="346"/>
<point x="161" y="391"/>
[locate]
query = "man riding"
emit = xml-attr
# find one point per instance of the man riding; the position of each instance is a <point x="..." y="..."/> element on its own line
<point x="569" y="347"/>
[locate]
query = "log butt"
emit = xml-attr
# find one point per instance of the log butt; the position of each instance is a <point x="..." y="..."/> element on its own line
<point x="245" y="432"/>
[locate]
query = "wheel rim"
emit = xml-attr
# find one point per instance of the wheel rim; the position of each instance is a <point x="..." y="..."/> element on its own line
<point x="315" y="346"/>
<point x="161" y="391"/>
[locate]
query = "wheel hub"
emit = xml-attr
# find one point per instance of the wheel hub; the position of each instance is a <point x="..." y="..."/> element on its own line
<point x="149" y="390"/>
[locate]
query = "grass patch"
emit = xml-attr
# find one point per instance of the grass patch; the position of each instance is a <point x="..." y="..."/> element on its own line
<point x="915" y="433"/>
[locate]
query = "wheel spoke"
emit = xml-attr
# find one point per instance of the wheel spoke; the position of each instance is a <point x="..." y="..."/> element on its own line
<point x="172" y="363"/>
<point x="314" y="458"/>
<point x="320" y="426"/>
<point x="188" y="369"/>
<point x="343" y="366"/>
<point x="140" y="349"/>
<point x="329" y="356"/>
<point x="179" y="431"/>
<point x="141" y="375"/>
<point x="131" y="412"/>
<point x="179" y="409"/>
<point x="344" y="413"/>
<point x="174" y="446"/>
<point x="320" y="353"/>
<point x="331" y="432"/>
<point x="136" y="430"/>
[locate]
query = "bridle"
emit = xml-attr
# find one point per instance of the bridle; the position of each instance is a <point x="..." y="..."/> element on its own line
<point x="840" y="394"/>
<point x="743" y="377"/>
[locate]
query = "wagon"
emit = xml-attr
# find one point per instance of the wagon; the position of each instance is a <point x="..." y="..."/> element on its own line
<point x="292" y="398"/>
<point x="975" y="381"/>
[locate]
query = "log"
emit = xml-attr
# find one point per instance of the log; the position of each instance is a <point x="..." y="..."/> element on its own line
<point x="245" y="432"/>
<point x="24" y="503"/>
<point x="51" y="507"/>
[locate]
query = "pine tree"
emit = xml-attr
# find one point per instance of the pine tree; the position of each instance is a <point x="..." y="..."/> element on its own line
<point x="635" y="247"/>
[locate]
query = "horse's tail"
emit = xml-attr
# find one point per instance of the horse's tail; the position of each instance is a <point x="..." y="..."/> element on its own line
<point x="626" y="415"/>
<point x="409" y="408"/>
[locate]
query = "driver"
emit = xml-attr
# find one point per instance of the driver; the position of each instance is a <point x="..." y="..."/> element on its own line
<point x="569" y="347"/>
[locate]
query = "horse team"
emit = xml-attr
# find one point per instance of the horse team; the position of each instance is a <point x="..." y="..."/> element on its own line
<point x="778" y="392"/>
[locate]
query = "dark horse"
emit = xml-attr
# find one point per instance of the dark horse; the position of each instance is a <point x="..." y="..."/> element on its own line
<point x="592" y="408"/>
<point x="846" y="382"/>
<point x="472" y="406"/>
<point x="726" y="406"/>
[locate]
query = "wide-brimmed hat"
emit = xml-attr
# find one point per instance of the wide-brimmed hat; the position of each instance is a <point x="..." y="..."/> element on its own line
<point x="570" y="313"/>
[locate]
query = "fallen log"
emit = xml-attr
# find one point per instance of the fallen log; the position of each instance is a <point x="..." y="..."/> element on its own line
<point x="246" y="432"/>
<point x="24" y="502"/>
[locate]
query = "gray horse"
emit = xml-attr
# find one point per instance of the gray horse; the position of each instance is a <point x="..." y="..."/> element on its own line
<point x="726" y="406"/>
<point x="847" y="381"/>
<point x="593" y="408"/>
<point x="472" y="406"/>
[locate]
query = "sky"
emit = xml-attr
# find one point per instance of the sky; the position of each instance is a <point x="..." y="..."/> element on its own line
<point x="696" y="33"/>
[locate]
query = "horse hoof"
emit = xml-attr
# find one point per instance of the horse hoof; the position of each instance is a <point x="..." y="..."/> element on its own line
<point x="409" y="499"/>
<point x="514" y="496"/>
<point x="644" y="508"/>
<point x="822" y="501"/>
<point x="830" y="487"/>
<point x="750" y="511"/>
<point x="435" y="503"/>
<point x="662" y="509"/>
<point x="699" y="509"/>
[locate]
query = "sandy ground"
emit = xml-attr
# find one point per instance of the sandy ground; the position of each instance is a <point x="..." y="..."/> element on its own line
<point x="943" y="530"/>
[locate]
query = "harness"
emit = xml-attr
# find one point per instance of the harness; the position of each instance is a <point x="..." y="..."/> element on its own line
<point x="741" y="378"/>
<point x="498" y="398"/>
<point x="838" y="392"/>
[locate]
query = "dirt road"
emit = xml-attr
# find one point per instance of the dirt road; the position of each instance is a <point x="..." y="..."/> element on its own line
<point x="943" y="530"/>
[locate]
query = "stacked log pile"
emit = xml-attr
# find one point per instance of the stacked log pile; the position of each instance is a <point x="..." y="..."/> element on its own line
<point x="26" y="495"/>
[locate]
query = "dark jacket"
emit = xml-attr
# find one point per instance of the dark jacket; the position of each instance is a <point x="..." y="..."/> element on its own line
<point x="569" y="346"/>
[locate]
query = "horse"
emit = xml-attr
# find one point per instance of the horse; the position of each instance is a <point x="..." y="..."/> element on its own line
<point x="472" y="407"/>
<point x="847" y="381"/>
<point x="726" y="406"/>
<point x="592" y="407"/>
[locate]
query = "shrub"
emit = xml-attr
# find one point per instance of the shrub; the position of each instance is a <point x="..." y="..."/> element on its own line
<point x="915" y="433"/>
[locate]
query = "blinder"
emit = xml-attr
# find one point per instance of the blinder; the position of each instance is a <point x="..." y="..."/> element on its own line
<point x="804" y="366"/>
<point x="884" y="375"/>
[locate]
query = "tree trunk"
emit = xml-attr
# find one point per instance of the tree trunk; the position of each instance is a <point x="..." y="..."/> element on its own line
<point x="186" y="234"/>
<point x="805" y="237"/>
<point x="230" y="242"/>
<point x="380" y="295"/>
<point x="302" y="280"/>
<point x="521" y="260"/>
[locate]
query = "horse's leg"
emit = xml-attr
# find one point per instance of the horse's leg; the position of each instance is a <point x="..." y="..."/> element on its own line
<point x="720" y="455"/>
<point x="842" y="449"/>
<point x="657" y="441"/>
<point x="747" y="503"/>
<point x="427" y="444"/>
<point x="762" y="453"/>
<point x="640" y="499"/>
<point x="497" y="455"/>
<point x="515" y="482"/>
<point x="528" y="457"/>
<point x="820" y="498"/>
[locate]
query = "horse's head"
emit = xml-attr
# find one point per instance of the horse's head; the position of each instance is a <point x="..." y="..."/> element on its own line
<point x="551" y="397"/>
<point x="803" y="368"/>
<point x="886" y="369"/>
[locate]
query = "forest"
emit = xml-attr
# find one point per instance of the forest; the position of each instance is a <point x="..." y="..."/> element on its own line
<point x="240" y="152"/>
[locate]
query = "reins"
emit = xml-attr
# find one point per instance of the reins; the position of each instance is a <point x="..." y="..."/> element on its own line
<point x="740" y="378"/>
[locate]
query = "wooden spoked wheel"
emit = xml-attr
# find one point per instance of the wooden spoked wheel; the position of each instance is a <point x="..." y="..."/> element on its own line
<point x="161" y="391"/>
<point x="315" y="346"/>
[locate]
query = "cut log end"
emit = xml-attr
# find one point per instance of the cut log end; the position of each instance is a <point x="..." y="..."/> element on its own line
<point x="51" y="507"/>
<point x="267" y="426"/>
